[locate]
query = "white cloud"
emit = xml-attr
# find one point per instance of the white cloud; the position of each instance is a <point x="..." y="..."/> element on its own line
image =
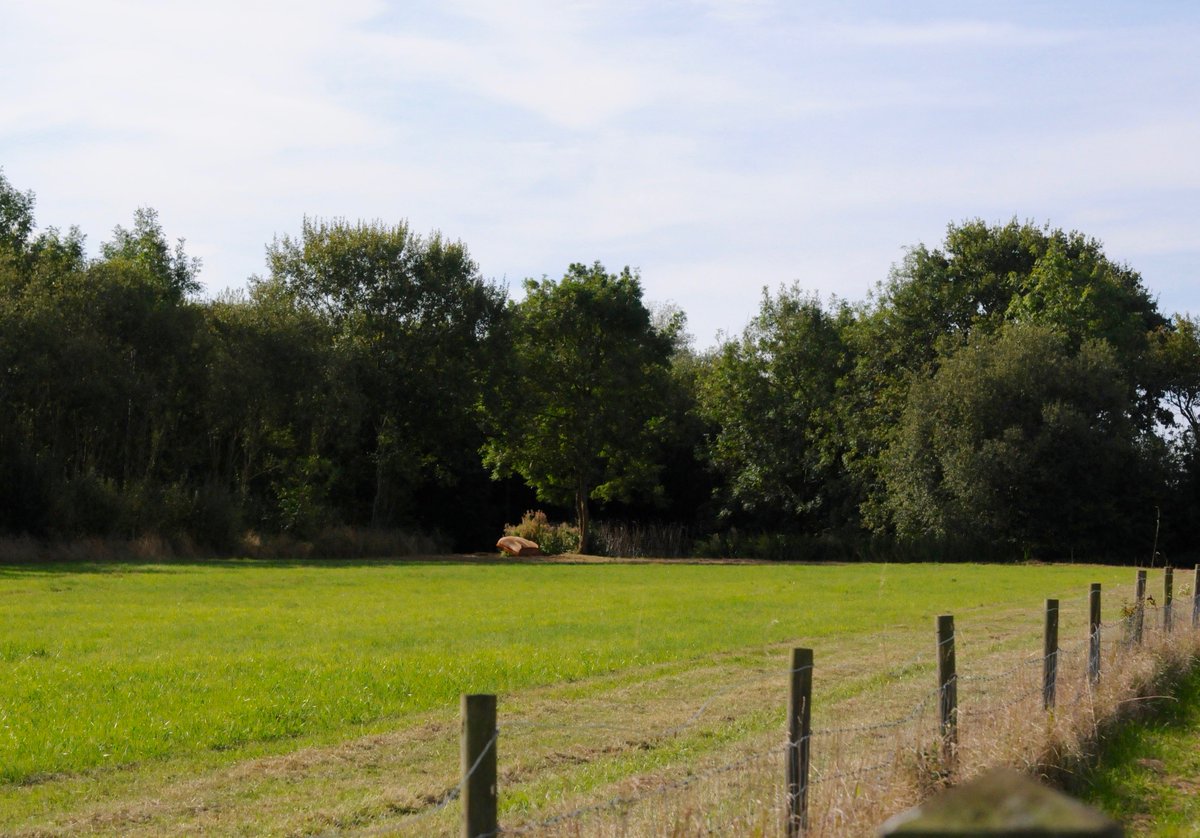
<point x="181" y="72"/>
<point x="738" y="11"/>
<point x="564" y="89"/>
<point x="552" y="61"/>
<point x="949" y="33"/>
<point x="719" y="144"/>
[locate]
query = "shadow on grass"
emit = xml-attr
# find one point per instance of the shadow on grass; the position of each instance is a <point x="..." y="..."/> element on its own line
<point x="118" y="562"/>
<point x="121" y="565"/>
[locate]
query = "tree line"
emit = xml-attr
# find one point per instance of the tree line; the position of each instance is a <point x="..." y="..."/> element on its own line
<point x="1011" y="392"/>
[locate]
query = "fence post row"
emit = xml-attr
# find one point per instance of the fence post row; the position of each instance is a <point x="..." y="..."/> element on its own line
<point x="479" y="731"/>
<point x="479" y="765"/>
<point x="1139" y="607"/>
<point x="1050" y="655"/>
<point x="947" y="691"/>
<point x="1168" y="595"/>
<point x="799" y="740"/>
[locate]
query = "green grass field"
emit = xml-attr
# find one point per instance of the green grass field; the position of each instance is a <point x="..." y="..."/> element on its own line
<point x="118" y="679"/>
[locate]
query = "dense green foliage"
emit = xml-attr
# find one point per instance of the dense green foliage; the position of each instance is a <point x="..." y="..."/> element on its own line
<point x="770" y="397"/>
<point x="410" y="325"/>
<point x="985" y="279"/>
<point x="1006" y="391"/>
<point x="338" y="389"/>
<point x="1015" y="437"/>
<point x="1012" y="391"/>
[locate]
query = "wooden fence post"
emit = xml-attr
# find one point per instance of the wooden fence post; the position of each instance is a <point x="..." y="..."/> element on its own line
<point x="1139" y="606"/>
<point x="479" y="765"/>
<point x="947" y="691"/>
<point x="799" y="740"/>
<point x="1050" y="655"/>
<point x="1094" y="634"/>
<point x="1168" y="596"/>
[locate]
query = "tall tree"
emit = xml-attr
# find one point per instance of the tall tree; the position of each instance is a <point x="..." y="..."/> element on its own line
<point x="578" y="413"/>
<point x="770" y="395"/>
<point x="99" y="402"/>
<point x="267" y="399"/>
<point x="144" y="247"/>
<point x="983" y="277"/>
<point x="16" y="219"/>
<point x="1177" y="356"/>
<point x="413" y="322"/>
<point x="1177" y="362"/>
<point x="1020" y="439"/>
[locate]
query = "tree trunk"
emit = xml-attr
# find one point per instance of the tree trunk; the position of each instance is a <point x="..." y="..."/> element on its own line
<point x="581" y="515"/>
<point x="377" y="503"/>
<point x="381" y="502"/>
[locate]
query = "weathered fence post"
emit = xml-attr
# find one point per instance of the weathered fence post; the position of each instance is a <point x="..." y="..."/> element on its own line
<point x="1168" y="596"/>
<point x="947" y="691"/>
<point x="1050" y="655"/>
<point x="1094" y="633"/>
<point x="1139" y="606"/>
<point x="479" y="765"/>
<point x="799" y="740"/>
<point x="1196" y="599"/>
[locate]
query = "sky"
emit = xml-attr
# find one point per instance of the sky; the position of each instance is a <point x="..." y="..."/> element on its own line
<point x="717" y="146"/>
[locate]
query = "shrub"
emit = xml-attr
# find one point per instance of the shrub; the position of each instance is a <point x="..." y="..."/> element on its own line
<point x="87" y="505"/>
<point x="554" y="539"/>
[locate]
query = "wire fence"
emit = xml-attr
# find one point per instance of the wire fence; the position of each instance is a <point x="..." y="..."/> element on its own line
<point x="710" y="756"/>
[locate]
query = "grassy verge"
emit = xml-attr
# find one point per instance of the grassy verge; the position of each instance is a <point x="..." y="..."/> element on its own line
<point x="1148" y="771"/>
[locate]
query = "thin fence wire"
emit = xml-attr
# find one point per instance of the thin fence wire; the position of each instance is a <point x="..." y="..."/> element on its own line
<point x="691" y="721"/>
<point x="630" y="800"/>
<point x="1032" y="660"/>
<point x="989" y="709"/>
<point x="695" y="716"/>
<point x="911" y="716"/>
<point x="877" y="768"/>
<point x="819" y="775"/>
<point x="449" y="796"/>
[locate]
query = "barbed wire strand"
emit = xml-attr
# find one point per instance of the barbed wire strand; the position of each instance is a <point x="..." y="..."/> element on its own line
<point x="969" y="713"/>
<point x="878" y="768"/>
<point x="1027" y="661"/>
<point x="914" y="714"/>
<point x="451" y="794"/>
<point x="641" y="733"/>
<point x="629" y="800"/>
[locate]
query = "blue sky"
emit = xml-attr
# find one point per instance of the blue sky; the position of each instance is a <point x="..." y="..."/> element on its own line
<point x="717" y="145"/>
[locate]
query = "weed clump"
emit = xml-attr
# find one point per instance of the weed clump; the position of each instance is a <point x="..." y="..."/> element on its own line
<point x="553" y="539"/>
